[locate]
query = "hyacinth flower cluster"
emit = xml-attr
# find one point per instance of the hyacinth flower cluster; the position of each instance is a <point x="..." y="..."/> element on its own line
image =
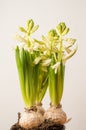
<point x="41" y="65"/>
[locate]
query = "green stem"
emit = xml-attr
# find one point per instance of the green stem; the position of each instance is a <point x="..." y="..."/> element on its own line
<point x="60" y="50"/>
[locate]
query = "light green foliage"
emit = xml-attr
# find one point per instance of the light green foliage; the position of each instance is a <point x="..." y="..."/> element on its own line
<point x="41" y="63"/>
<point x="33" y="80"/>
<point x="56" y="82"/>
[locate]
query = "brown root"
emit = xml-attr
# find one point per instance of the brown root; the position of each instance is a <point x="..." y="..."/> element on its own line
<point x="56" y="114"/>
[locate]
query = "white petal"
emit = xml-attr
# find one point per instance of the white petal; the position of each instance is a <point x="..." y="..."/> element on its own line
<point x="55" y="65"/>
<point x="46" y="62"/>
<point x="37" y="60"/>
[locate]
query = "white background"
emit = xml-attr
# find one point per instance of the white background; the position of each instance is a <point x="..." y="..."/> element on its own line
<point x="46" y="13"/>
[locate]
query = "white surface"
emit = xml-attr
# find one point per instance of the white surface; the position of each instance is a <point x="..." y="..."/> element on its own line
<point x="46" y="13"/>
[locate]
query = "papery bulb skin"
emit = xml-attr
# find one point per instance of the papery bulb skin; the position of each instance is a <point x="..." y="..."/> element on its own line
<point x="30" y="119"/>
<point x="56" y="114"/>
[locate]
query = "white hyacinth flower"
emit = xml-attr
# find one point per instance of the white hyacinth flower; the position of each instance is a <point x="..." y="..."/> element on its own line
<point x="37" y="60"/>
<point x="46" y="62"/>
<point x="72" y="52"/>
<point x="55" y="66"/>
<point x="20" y="38"/>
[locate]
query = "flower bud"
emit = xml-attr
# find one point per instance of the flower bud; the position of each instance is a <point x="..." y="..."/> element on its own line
<point x="34" y="28"/>
<point x="52" y="33"/>
<point x="53" y="36"/>
<point x="22" y="29"/>
<point x="29" y="25"/>
<point x="62" y="29"/>
<point x="65" y="31"/>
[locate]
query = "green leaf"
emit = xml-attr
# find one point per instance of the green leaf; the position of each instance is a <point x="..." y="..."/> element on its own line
<point x="30" y="86"/>
<point x="56" y="83"/>
<point x="52" y="83"/>
<point x="21" y="74"/>
<point x="60" y="80"/>
<point x="43" y="89"/>
<point x="41" y="83"/>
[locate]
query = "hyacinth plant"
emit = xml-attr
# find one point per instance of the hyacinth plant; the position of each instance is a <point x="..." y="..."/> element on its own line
<point x="41" y="64"/>
<point x="33" y="76"/>
<point x="60" y="49"/>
